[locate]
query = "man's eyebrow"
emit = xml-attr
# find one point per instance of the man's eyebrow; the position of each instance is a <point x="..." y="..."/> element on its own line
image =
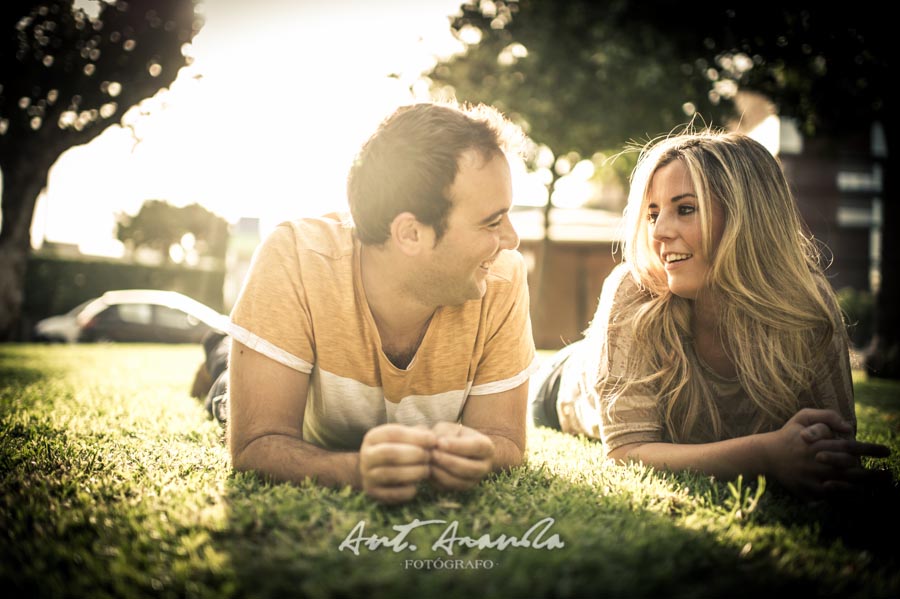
<point x="493" y="216"/>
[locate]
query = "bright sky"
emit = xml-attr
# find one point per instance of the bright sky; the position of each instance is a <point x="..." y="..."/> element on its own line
<point x="289" y="91"/>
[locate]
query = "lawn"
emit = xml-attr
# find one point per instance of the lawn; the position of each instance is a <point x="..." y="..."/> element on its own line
<point x="113" y="482"/>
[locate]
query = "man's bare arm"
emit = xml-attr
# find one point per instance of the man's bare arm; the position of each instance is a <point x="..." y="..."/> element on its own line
<point x="491" y="436"/>
<point x="501" y="416"/>
<point x="265" y="424"/>
<point x="267" y="402"/>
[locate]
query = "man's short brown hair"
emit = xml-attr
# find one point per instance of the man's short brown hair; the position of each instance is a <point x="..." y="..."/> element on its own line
<point x="411" y="161"/>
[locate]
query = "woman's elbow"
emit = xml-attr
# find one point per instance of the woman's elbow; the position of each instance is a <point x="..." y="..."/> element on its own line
<point x="623" y="453"/>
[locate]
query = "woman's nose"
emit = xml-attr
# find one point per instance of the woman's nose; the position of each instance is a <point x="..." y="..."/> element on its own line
<point x="663" y="227"/>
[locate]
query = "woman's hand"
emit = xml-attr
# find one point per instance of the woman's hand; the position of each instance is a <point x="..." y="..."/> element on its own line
<point x="843" y="455"/>
<point x="808" y="456"/>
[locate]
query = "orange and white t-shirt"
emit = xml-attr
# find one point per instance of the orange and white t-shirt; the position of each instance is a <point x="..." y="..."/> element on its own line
<point x="304" y="306"/>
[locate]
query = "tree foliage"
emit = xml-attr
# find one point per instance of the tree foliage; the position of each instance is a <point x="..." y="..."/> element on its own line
<point x="159" y="225"/>
<point x="65" y="76"/>
<point x="584" y="75"/>
<point x="576" y="75"/>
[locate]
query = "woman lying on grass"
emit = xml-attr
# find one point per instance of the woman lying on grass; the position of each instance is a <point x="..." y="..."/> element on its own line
<point x="718" y="345"/>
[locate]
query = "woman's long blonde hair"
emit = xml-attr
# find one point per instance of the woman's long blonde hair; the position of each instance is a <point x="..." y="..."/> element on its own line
<point x="775" y="309"/>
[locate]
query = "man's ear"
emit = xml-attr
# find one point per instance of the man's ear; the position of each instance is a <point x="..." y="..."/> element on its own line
<point x="409" y="235"/>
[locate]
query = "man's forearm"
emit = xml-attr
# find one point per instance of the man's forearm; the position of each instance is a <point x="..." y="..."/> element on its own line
<point x="286" y="458"/>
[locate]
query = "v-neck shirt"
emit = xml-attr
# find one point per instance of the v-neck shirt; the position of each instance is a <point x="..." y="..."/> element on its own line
<point x="303" y="305"/>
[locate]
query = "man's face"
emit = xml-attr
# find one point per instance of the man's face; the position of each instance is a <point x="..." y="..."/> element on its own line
<point x="478" y="228"/>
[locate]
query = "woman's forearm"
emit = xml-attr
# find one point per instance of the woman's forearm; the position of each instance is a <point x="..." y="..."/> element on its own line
<point x="748" y="455"/>
<point x="806" y="455"/>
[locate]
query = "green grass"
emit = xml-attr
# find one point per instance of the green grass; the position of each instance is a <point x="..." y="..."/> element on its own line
<point x="114" y="483"/>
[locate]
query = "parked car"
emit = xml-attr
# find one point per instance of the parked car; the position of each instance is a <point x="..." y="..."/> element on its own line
<point x="133" y="315"/>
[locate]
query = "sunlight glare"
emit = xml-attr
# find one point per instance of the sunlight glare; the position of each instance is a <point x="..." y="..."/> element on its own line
<point x="283" y="101"/>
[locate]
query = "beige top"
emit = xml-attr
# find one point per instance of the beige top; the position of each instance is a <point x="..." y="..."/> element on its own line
<point x="636" y="417"/>
<point x="303" y="305"/>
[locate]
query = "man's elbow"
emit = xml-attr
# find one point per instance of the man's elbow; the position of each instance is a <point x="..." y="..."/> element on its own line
<point x="508" y="462"/>
<point x="240" y="461"/>
<point x="507" y="453"/>
<point x="243" y="458"/>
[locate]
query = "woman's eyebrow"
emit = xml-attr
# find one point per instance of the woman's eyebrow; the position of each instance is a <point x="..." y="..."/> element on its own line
<point x="675" y="199"/>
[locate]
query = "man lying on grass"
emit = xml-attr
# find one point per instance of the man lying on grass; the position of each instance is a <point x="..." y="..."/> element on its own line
<point x="395" y="348"/>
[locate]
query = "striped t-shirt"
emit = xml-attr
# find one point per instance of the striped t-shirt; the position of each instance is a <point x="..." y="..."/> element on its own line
<point x="304" y="306"/>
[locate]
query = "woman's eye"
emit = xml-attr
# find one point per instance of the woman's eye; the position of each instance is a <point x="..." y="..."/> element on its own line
<point x="687" y="209"/>
<point x="652" y="217"/>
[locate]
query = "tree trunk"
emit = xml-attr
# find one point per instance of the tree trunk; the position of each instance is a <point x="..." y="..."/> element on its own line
<point x="21" y="185"/>
<point x="884" y="360"/>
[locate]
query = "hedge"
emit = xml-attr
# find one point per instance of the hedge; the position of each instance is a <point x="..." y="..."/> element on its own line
<point x="56" y="285"/>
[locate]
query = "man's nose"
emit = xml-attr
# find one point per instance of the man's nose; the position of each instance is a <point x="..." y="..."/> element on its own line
<point x="509" y="239"/>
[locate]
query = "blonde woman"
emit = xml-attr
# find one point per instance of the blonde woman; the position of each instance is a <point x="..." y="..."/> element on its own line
<point x="718" y="345"/>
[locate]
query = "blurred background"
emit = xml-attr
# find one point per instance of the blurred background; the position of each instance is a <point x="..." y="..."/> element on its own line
<point x="152" y="144"/>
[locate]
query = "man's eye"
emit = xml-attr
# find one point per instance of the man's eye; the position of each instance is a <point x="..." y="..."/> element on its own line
<point x="495" y="224"/>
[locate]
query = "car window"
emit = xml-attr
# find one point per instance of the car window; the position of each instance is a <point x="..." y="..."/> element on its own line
<point x="173" y="319"/>
<point x="135" y="313"/>
<point x="74" y="311"/>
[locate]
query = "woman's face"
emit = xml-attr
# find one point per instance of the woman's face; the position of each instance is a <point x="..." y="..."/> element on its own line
<point x="675" y="229"/>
